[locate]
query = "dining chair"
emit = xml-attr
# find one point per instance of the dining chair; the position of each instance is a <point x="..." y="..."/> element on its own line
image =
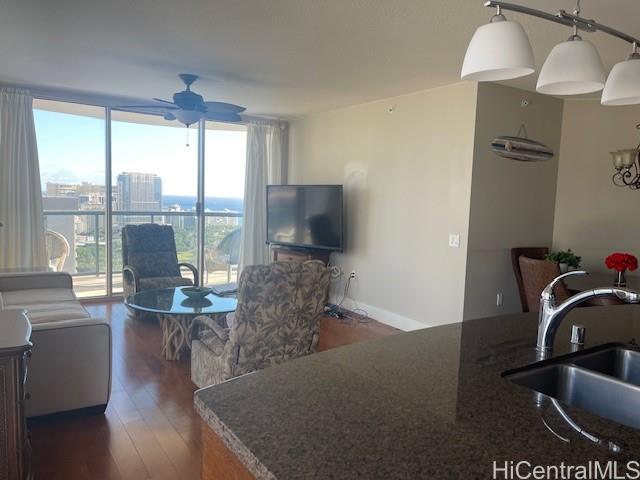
<point x="538" y="253"/>
<point x="536" y="275"/>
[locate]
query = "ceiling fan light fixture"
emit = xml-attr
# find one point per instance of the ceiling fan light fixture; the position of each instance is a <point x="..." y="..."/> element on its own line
<point x="189" y="107"/>
<point x="499" y="50"/>
<point x="573" y="67"/>
<point x="623" y="84"/>
<point x="187" y="117"/>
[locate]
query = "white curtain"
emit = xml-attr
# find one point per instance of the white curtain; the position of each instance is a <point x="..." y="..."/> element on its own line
<point x="22" y="239"/>
<point x="267" y="145"/>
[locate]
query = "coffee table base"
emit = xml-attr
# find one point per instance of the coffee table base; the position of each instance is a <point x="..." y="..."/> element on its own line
<point x="177" y="332"/>
<point x="176" y="335"/>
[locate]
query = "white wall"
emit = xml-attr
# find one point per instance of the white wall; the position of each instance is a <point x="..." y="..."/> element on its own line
<point x="593" y="217"/>
<point x="512" y="203"/>
<point x="407" y="180"/>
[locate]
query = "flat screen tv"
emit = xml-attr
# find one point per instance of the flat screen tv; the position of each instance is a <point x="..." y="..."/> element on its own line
<point x="305" y="216"/>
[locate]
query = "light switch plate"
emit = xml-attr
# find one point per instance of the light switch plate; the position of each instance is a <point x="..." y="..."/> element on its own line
<point x="454" y="240"/>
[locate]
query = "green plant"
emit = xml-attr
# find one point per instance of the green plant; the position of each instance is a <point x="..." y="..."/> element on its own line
<point x="567" y="257"/>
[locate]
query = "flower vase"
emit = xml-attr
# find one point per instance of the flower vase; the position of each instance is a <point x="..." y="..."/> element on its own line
<point x="621" y="279"/>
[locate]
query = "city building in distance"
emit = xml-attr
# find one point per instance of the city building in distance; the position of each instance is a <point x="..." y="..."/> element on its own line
<point x="139" y="192"/>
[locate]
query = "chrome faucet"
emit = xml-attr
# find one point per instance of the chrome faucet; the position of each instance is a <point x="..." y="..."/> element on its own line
<point x="551" y="315"/>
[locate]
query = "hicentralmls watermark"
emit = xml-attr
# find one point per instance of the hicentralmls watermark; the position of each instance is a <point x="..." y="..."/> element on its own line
<point x="592" y="470"/>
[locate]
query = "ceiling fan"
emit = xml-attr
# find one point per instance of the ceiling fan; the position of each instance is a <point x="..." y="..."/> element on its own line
<point x="188" y="107"/>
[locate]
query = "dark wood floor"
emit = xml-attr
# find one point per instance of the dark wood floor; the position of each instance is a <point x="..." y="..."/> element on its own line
<point x="149" y="430"/>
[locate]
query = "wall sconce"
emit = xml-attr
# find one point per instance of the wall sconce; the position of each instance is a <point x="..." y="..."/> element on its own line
<point x="627" y="165"/>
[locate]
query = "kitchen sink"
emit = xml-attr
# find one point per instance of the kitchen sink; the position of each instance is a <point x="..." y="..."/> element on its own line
<point x="616" y="361"/>
<point x="604" y="381"/>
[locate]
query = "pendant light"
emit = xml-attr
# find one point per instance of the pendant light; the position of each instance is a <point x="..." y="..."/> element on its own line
<point x="499" y="50"/>
<point x="623" y="84"/>
<point x="572" y="68"/>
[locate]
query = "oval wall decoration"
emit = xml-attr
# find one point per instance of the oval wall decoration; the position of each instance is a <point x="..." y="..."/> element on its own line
<point x="521" y="149"/>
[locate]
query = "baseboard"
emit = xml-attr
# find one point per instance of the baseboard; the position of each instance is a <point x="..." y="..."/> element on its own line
<point x="101" y="299"/>
<point x="84" y="411"/>
<point x="381" y="315"/>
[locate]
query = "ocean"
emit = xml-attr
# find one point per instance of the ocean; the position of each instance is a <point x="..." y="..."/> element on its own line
<point x="213" y="204"/>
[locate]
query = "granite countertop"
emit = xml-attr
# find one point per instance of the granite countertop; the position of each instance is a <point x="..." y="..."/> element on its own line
<point x="424" y="404"/>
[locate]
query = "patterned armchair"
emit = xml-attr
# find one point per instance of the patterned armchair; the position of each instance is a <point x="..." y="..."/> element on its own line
<point x="150" y="260"/>
<point x="277" y="319"/>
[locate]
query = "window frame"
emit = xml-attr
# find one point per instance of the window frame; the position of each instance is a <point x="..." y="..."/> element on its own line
<point x="109" y="212"/>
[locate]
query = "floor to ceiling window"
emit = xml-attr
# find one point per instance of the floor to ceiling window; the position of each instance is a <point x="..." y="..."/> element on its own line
<point x="224" y="168"/>
<point x="155" y="178"/>
<point x="153" y="167"/>
<point x="71" y="151"/>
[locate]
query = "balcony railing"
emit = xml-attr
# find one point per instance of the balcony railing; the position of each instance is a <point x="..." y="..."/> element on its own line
<point x="84" y="231"/>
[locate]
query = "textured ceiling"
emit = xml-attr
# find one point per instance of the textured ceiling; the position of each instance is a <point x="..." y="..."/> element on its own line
<point x="277" y="57"/>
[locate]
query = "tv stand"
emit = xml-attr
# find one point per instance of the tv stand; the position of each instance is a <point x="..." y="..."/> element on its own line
<point x="290" y="254"/>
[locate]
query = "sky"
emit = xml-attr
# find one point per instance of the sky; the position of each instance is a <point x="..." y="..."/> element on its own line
<point x="71" y="149"/>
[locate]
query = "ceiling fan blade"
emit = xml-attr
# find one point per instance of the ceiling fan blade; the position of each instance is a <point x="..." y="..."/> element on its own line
<point x="163" y="101"/>
<point x="222" y="117"/>
<point x="222" y="107"/>
<point x="145" y="106"/>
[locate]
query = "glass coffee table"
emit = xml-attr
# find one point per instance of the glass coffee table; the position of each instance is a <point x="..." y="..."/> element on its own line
<point x="176" y="312"/>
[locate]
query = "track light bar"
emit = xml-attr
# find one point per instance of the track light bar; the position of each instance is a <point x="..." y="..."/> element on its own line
<point x="564" y="18"/>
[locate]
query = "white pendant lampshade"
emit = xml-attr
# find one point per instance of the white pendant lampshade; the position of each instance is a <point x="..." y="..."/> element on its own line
<point x="573" y="67"/>
<point x="623" y="84"/>
<point x="499" y="50"/>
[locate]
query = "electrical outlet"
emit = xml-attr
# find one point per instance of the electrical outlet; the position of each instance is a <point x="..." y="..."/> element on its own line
<point x="352" y="274"/>
<point x="454" y="240"/>
<point x="499" y="299"/>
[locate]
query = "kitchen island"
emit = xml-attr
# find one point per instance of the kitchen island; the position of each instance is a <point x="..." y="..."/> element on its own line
<point x="425" y="404"/>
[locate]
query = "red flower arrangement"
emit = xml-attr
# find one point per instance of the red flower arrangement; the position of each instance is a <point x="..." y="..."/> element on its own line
<point x="621" y="262"/>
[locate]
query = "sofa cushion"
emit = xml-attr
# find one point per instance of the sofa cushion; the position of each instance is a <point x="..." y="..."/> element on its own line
<point x="52" y="312"/>
<point x="36" y="296"/>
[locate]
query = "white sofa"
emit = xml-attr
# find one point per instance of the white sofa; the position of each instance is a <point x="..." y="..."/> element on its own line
<point x="71" y="364"/>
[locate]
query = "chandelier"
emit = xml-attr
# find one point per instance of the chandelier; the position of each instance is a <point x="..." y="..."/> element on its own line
<point x="500" y="50"/>
<point x="627" y="165"/>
